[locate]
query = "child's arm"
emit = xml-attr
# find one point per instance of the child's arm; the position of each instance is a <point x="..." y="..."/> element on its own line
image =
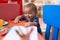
<point x="30" y="24"/>
<point x="17" y="19"/>
<point x="33" y="23"/>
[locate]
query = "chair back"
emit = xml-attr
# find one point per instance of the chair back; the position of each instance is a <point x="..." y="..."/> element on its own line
<point x="9" y="11"/>
<point x="51" y="16"/>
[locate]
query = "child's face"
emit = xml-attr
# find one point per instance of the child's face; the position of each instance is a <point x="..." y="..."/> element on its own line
<point x="29" y="13"/>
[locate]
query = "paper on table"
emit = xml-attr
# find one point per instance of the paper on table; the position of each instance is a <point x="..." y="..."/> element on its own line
<point x="12" y="35"/>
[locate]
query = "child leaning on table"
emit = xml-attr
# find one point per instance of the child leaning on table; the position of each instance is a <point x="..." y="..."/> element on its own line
<point x="29" y="14"/>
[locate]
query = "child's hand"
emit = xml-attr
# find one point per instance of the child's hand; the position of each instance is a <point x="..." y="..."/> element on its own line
<point x="27" y="24"/>
<point x="16" y="21"/>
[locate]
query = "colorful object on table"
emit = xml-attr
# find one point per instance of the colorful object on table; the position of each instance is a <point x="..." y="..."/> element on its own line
<point x="51" y="16"/>
<point x="1" y="22"/>
<point x="3" y="29"/>
<point x="5" y="23"/>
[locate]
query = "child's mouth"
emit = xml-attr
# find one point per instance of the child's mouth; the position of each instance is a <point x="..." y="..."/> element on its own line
<point x="28" y="16"/>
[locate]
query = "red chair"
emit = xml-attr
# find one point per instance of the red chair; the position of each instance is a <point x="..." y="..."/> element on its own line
<point x="20" y="3"/>
<point x="3" y="1"/>
<point x="10" y="11"/>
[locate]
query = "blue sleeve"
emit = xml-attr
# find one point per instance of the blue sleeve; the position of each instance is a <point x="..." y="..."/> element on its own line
<point x="23" y="17"/>
<point x="36" y="20"/>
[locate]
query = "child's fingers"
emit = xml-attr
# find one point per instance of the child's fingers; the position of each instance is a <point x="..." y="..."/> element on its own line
<point x="16" y="21"/>
<point x="26" y="25"/>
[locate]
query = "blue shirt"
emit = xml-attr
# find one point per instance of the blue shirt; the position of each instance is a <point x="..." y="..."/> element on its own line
<point x="34" y="19"/>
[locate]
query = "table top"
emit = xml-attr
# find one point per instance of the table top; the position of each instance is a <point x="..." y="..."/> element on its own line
<point x="11" y="23"/>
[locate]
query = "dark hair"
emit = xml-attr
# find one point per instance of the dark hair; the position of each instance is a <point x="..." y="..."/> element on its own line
<point x="32" y="7"/>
